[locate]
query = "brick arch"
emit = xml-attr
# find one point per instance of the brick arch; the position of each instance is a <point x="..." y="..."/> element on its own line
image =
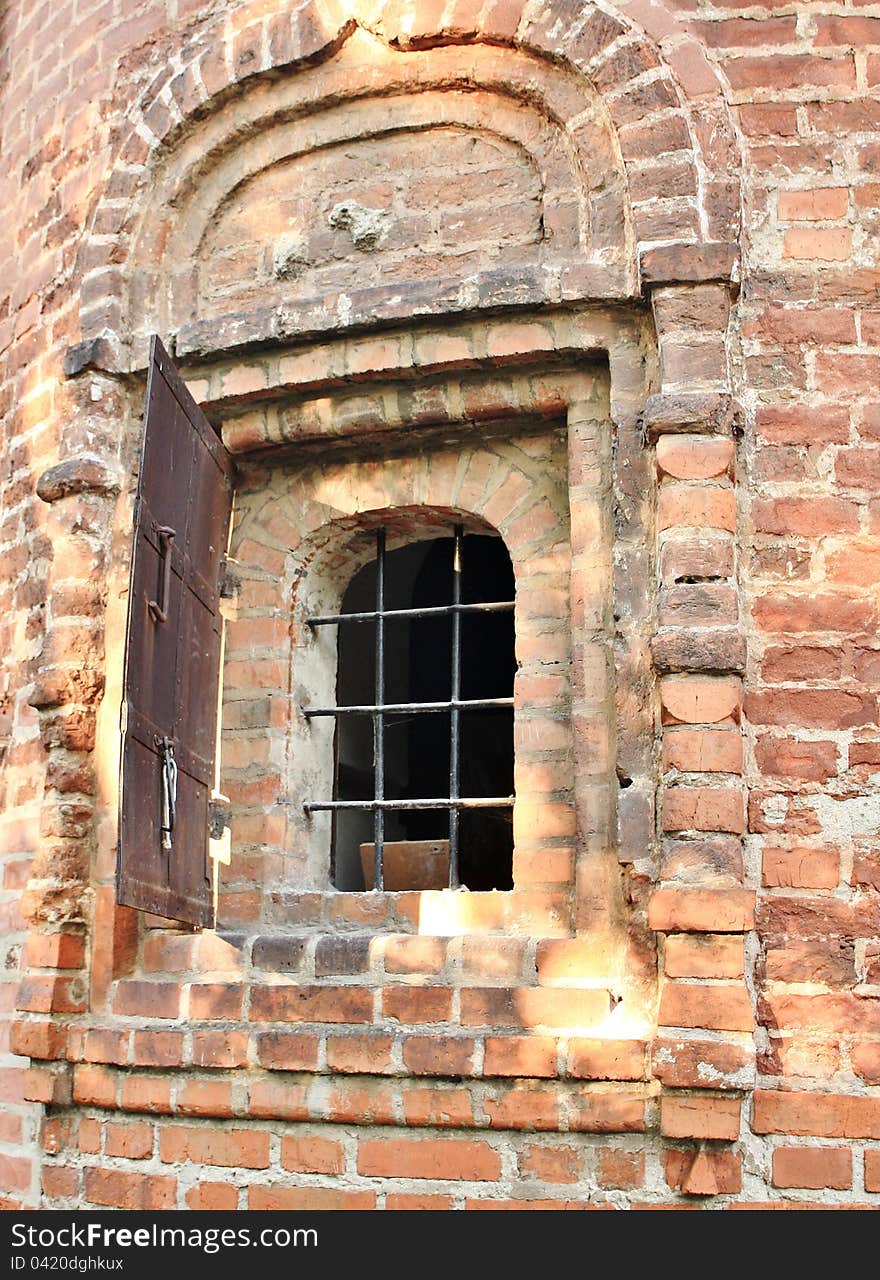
<point x="659" y="97"/>
<point x="297" y="545"/>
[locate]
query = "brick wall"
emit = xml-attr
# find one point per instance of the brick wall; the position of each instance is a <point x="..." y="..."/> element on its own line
<point x="687" y="212"/>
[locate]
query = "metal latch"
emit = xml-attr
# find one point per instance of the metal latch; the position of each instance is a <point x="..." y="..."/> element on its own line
<point x="169" y="789"/>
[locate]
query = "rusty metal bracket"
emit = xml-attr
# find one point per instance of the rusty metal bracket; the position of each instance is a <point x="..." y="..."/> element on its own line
<point x="218" y="815"/>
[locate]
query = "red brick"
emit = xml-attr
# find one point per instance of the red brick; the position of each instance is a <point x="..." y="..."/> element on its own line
<point x="528" y="1108"/>
<point x="44" y="994"/>
<point x="866" y="1061"/>
<point x="818" y="205"/>
<point x="692" y="506"/>
<point x="311" y="1004"/>
<point x="312" y="1155"/>
<point x="808" y="517"/>
<point x="364" y="1101"/>
<point x="118" y="1189"/>
<point x="858" y="564"/>
<point x="439" y="1055"/>
<point x="620" y="1170"/>
<point x="519" y="1056"/>
<point x="416" y="1005"/>
<point x="594" y="1112"/>
<point x="49" y="1083"/>
<point x="829" y="961"/>
<point x="781" y="757"/>
<point x="467" y="1159"/>
<point x="703" y="956"/>
<point x="695" y="701"/>
<point x="288" y="1050"/>
<point x="415" y="955"/>
<point x="147" y="999"/>
<point x="215" y="1000"/>
<point x="407" y="1200"/>
<point x="844" y="374"/>
<point x="820" y="1115"/>
<point x="828" y="244"/>
<point x="811" y="708"/>
<point x="701" y="910"/>
<point x="835" y="1013"/>
<point x="696" y="1116"/>
<point x="157" y="1049"/>
<point x="872" y="1170"/>
<point x="606" y="1059"/>
<point x="278" y="1099"/>
<point x="804" y="663"/>
<point x="694" y="457"/>
<point x="703" y="1172"/>
<point x="800" y="868"/>
<point x="219" y="1048"/>
<point x="280" y="1198"/>
<point x="59" y="1182"/>
<point x="850" y="31"/>
<point x="205" y="1098"/>
<point x="819" y="611"/>
<point x="803" y="424"/>
<point x="703" y="809"/>
<point x="94" y="1086"/>
<point x="133" y="1141"/>
<point x="551" y="1162"/>
<point x="54" y="951"/>
<point x="370" y="1054"/>
<point x="146" y="1093"/>
<point x="703" y="750"/>
<point x="231" y="1148"/>
<point x="529" y="1007"/>
<point x="38" y="1039"/>
<point x="438" y="1107"/>
<point x="813" y="1167"/>
<point x="701" y="1064"/>
<point x="716" y="1007"/>
<point x="212" y="1196"/>
<point x="103" y="1045"/>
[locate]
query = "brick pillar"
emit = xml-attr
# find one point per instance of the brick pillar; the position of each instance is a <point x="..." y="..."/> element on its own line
<point x="702" y="909"/>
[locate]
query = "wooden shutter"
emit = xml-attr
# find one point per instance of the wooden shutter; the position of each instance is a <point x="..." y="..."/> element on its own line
<point x="172" y="657"/>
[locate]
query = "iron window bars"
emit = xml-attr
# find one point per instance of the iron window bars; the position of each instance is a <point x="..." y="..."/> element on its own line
<point x="454" y="802"/>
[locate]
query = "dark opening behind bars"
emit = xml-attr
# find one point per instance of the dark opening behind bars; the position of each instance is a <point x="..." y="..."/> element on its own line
<point x="453" y="802"/>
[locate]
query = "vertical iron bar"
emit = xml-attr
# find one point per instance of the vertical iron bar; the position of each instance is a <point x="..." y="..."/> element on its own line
<point x="378" y="717"/>
<point x="455" y="714"/>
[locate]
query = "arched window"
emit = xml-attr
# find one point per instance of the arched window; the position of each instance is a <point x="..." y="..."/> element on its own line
<point x="423" y="749"/>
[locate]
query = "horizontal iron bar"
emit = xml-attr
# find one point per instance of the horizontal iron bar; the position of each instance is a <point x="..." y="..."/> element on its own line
<point x="366" y="709"/>
<point x="432" y="611"/>
<point x="464" y="802"/>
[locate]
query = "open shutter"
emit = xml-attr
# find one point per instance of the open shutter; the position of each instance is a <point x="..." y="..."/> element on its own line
<point x="172" y="657"/>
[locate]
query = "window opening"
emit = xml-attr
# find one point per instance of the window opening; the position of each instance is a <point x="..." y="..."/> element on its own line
<point x="424" y="714"/>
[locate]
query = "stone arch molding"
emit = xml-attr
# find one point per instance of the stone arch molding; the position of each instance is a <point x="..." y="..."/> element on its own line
<point x="635" y="181"/>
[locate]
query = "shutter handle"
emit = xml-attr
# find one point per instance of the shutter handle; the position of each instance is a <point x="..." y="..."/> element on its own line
<point x="159" y="612"/>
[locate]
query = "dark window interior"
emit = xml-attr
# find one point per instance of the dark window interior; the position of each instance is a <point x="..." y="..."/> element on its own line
<point x="418" y="666"/>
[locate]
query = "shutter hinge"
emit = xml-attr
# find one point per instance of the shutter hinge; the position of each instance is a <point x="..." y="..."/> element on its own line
<point x="219" y="832"/>
<point x="218" y="815"/>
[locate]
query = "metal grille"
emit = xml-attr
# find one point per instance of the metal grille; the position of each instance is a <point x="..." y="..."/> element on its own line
<point x="454" y="802"/>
